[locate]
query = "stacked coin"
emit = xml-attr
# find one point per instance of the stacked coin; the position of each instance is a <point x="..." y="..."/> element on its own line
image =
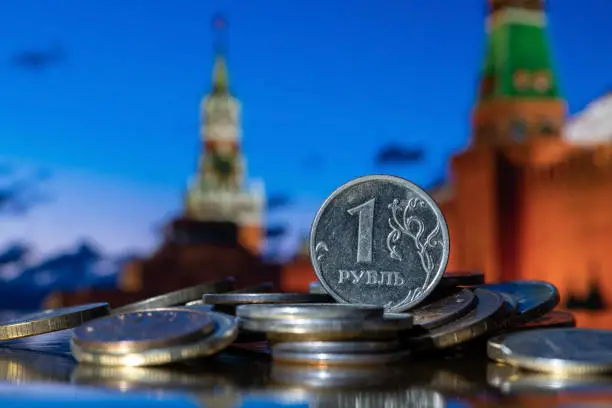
<point x="153" y="337"/>
<point x="331" y="334"/>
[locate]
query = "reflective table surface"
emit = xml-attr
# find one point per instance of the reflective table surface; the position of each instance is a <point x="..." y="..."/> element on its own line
<point x="39" y="371"/>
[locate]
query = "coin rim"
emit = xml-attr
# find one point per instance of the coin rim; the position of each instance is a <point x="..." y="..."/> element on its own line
<point x="225" y="333"/>
<point x="337" y="347"/>
<point x="68" y="320"/>
<point x="447" y="318"/>
<point x="237" y="299"/>
<point x="343" y="359"/>
<point x="403" y="305"/>
<point x="308" y="311"/>
<point x="158" y="301"/>
<point x="505" y="355"/>
<point x="537" y="311"/>
<point x="315" y="326"/>
<point x="129" y="346"/>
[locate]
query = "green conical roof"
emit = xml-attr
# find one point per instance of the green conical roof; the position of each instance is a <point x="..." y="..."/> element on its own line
<point x="518" y="62"/>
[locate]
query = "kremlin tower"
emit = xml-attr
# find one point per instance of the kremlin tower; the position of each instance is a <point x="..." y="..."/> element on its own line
<point x="217" y="193"/>
<point x="220" y="232"/>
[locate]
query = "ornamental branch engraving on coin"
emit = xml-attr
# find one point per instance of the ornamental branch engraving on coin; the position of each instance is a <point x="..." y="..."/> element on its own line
<point x="403" y="222"/>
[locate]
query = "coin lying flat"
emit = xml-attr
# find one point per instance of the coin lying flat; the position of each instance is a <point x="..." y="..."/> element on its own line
<point x="224" y="334"/>
<point x="556" y="318"/>
<point x="512" y="380"/>
<point x="458" y="279"/>
<point x="347" y="347"/>
<point x="442" y="311"/>
<point x="339" y="358"/>
<point x="379" y="240"/>
<point x="535" y="298"/>
<point x="264" y="287"/>
<point x="231" y="299"/>
<point x="138" y="331"/>
<point x="178" y="297"/>
<point x="324" y="329"/>
<point x="310" y="311"/>
<point x="563" y="350"/>
<point x="481" y="319"/>
<point x="51" y="320"/>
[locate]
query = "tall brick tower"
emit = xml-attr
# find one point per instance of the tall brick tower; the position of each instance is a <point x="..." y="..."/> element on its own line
<point x="517" y="121"/>
<point x="217" y="192"/>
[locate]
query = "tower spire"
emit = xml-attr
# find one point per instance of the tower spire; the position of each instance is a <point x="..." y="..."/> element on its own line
<point x="519" y="97"/>
<point x="220" y="79"/>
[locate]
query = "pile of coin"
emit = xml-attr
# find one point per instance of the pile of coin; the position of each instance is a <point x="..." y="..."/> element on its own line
<point x="339" y="334"/>
<point x="379" y="246"/>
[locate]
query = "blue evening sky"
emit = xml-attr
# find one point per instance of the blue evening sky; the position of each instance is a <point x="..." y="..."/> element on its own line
<point x="324" y="84"/>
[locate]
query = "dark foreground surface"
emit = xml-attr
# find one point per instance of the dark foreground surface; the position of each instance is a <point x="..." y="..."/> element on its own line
<point x="39" y="371"/>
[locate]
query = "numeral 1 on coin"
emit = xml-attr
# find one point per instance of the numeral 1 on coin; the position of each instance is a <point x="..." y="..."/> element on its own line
<point x="364" y="232"/>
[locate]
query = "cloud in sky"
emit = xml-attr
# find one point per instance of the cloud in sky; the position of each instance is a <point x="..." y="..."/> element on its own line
<point x="115" y="214"/>
<point x="119" y="216"/>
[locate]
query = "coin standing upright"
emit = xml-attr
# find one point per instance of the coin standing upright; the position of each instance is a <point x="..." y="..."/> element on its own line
<point x="379" y="240"/>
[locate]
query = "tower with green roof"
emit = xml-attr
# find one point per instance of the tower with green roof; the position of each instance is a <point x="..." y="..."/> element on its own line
<point x="519" y="99"/>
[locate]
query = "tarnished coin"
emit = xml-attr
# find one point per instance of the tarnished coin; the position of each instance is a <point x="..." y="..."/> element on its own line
<point x="234" y="299"/>
<point x="343" y="359"/>
<point x="442" y="311"/>
<point x="379" y="240"/>
<point x="316" y="287"/>
<point x="264" y="287"/>
<point x="138" y="331"/>
<point x="556" y="318"/>
<point x="560" y="351"/>
<point x="480" y="320"/>
<point x="535" y="298"/>
<point x="330" y="329"/>
<point x="51" y="320"/>
<point x="178" y="297"/>
<point x="309" y="311"/>
<point x="337" y="347"/>
<point x="458" y="279"/>
<point x="224" y="334"/>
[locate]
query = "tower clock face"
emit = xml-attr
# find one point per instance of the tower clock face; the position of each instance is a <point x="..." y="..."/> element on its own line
<point x="223" y="165"/>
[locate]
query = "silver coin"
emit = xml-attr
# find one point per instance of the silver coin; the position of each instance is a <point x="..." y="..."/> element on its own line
<point x="309" y="311"/>
<point x="51" y="320"/>
<point x="379" y="240"/>
<point x="480" y="320"/>
<point x="224" y="334"/>
<point x="316" y="287"/>
<point x="346" y="347"/>
<point x="339" y="358"/>
<point x="264" y="287"/>
<point x="563" y="350"/>
<point x="143" y="330"/>
<point x="513" y="380"/>
<point x="233" y="299"/>
<point x="178" y="297"/>
<point x="445" y="310"/>
<point x="392" y="324"/>
<point x="535" y="298"/>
